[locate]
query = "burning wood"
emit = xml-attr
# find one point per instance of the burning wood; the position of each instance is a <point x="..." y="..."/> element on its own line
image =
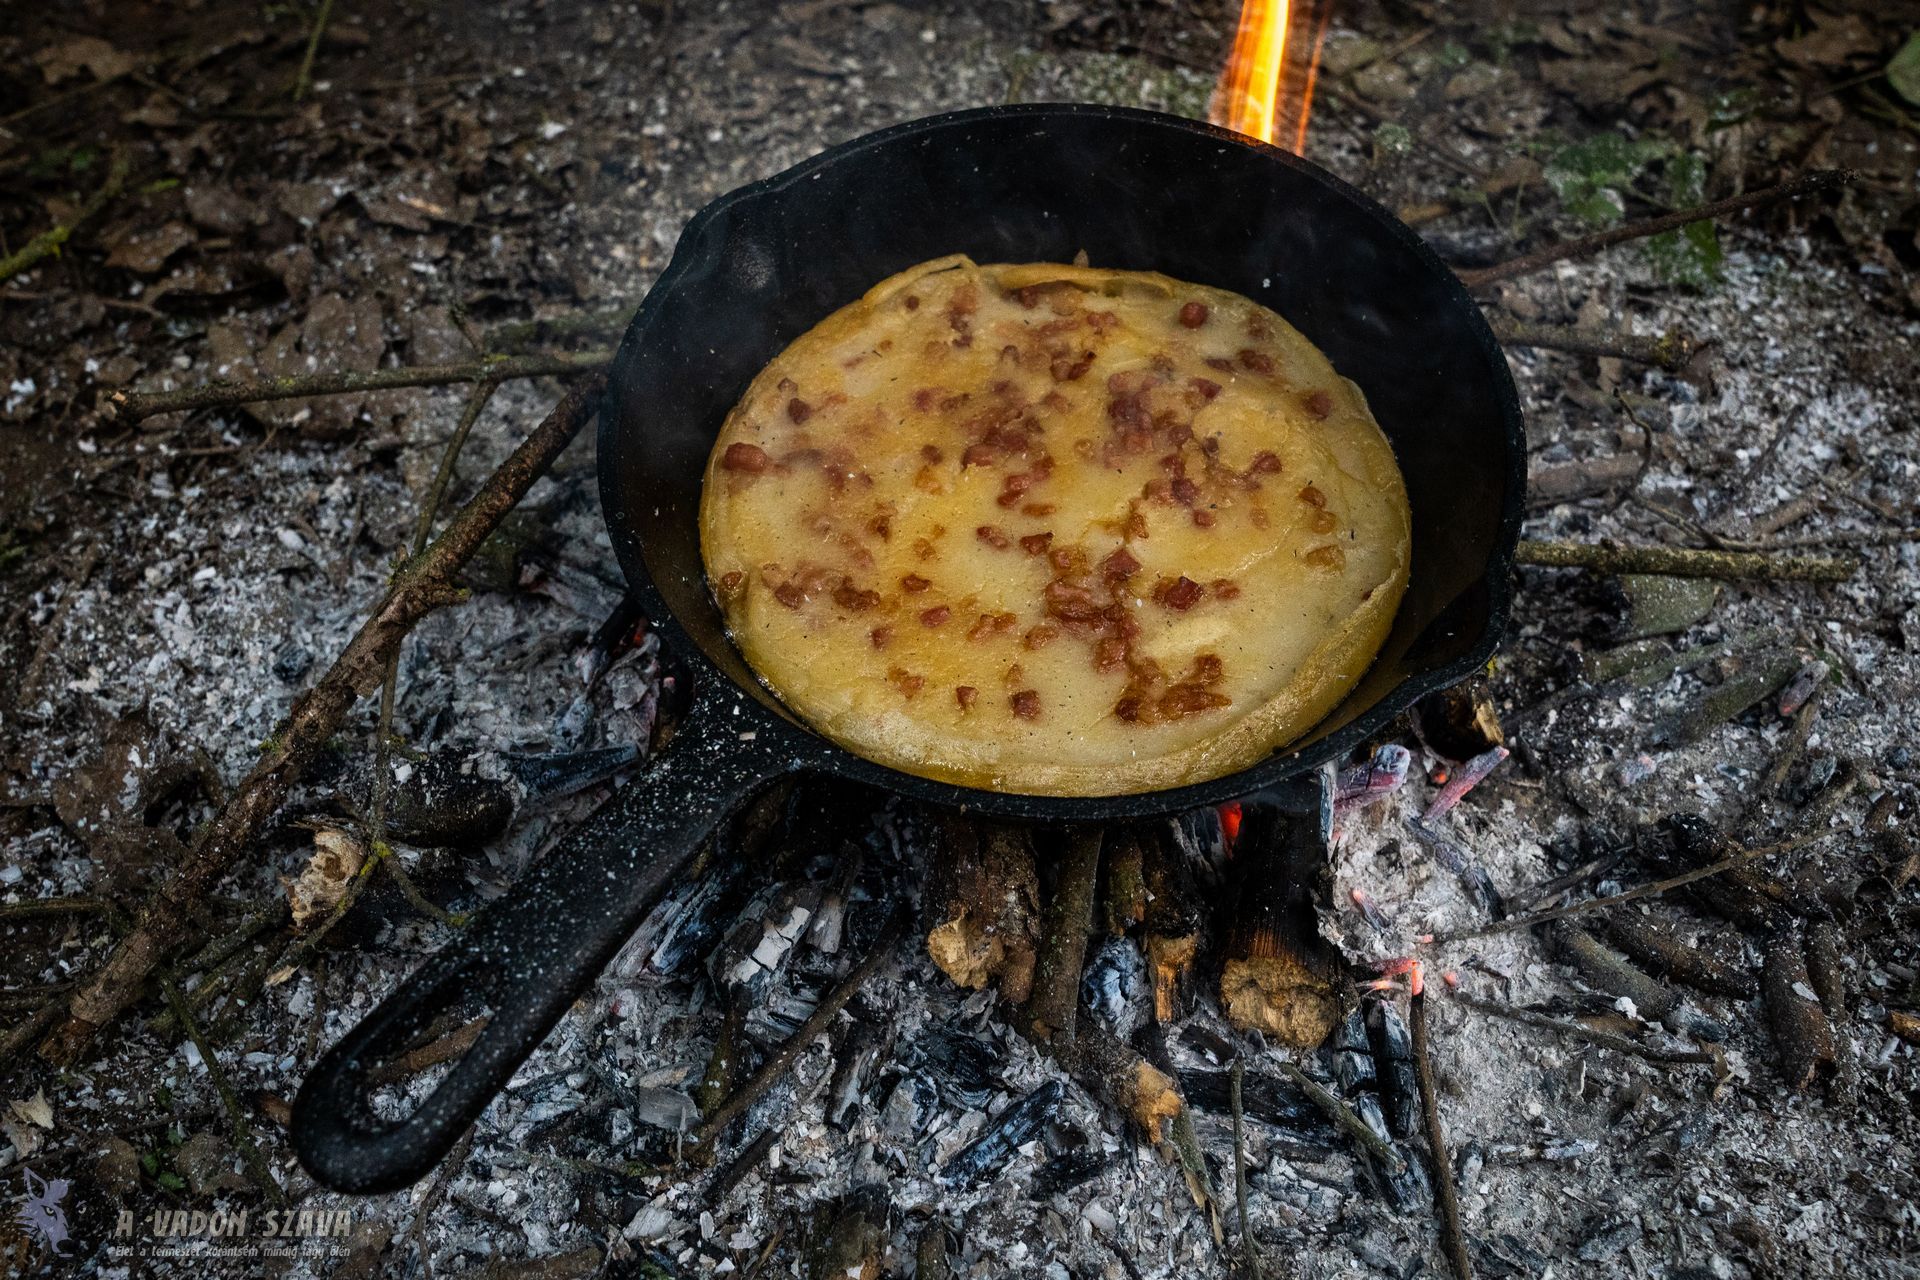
<point x="986" y="906"/>
<point x="1174" y="919"/>
<point x="1278" y="976"/>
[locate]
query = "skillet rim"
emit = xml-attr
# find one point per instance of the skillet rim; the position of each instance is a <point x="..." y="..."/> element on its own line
<point x="795" y="745"/>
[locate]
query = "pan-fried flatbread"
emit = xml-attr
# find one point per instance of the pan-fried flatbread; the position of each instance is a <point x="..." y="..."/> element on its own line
<point x="1055" y="530"/>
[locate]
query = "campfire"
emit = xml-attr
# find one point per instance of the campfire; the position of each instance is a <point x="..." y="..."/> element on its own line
<point x="1642" y="872"/>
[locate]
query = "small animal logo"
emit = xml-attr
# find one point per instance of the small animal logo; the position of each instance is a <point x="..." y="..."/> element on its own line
<point x="42" y="1215"/>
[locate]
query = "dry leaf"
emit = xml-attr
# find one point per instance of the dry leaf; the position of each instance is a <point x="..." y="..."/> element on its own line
<point x="35" y="1110"/>
<point x="75" y="54"/>
<point x="148" y="251"/>
<point x="337" y="859"/>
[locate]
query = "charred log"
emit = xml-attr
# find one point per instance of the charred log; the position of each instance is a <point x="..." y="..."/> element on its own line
<point x="984" y="908"/>
<point x="1278" y="976"/>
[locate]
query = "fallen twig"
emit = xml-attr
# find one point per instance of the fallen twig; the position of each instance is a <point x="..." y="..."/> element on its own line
<point x="431" y="1054"/>
<point x="1446" y="1197"/>
<point x="1669" y="351"/>
<point x="781" y="1060"/>
<point x="1603" y="1039"/>
<point x="236" y="1114"/>
<point x="132" y="406"/>
<point x="1586" y="246"/>
<point x="1249" y="1256"/>
<point x="1049" y="1013"/>
<point x="418" y="588"/>
<point x="1684" y="562"/>
<point x="1653" y="889"/>
<point x="36" y="908"/>
<point x="304" y="77"/>
<point x="49" y="243"/>
<point x="1341" y="1114"/>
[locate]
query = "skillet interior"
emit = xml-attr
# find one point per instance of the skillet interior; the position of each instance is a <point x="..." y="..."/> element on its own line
<point x="1135" y="190"/>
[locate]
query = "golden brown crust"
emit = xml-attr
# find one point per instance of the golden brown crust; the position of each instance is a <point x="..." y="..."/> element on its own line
<point x="1055" y="530"/>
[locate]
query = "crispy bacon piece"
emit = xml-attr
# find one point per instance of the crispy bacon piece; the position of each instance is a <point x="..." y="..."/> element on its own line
<point x="853" y="599"/>
<point x="799" y="410"/>
<point x="1256" y="361"/>
<point x="1318" y="403"/>
<point x="748" y="458"/>
<point x="730" y="584"/>
<point x="1026" y="704"/>
<point x="1313" y="497"/>
<point x="1325" y="521"/>
<point x="1193" y="315"/>
<point x="1183" y="593"/>
<point x="993" y="536"/>
<point x="1188" y="700"/>
<point x="936" y="616"/>
<point x="933" y="453"/>
<point x="991" y="624"/>
<point x="1203" y="518"/>
<point x="966" y="695"/>
<point x="1040" y="636"/>
<point x="1266" y="463"/>
<point x="905" y="681"/>
<point x="790" y="595"/>
<point x="1224" y="589"/>
<point x="1067" y="367"/>
<point x="1206" y="387"/>
<point x="1036" y="544"/>
<point x="914" y="583"/>
<point x="1119" y="565"/>
<point x="1326" y="557"/>
<point x="1109" y="654"/>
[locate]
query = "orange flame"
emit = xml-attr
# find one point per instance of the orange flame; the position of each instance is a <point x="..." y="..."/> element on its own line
<point x="1230" y="821"/>
<point x="1252" y="96"/>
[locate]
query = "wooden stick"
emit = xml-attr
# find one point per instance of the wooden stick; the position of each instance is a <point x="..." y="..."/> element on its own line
<point x="49" y="243"/>
<point x="304" y="77"/>
<point x="1250" y="1257"/>
<point x="132" y="406"/>
<point x="236" y="1115"/>
<point x="1603" y="1039"/>
<point x="1684" y="562"/>
<point x="781" y="1060"/>
<point x="1657" y="887"/>
<point x="421" y="586"/>
<point x="1341" y="1114"/>
<point x="1446" y="1197"/>
<point x="1051" y="1007"/>
<point x="1586" y="246"/>
<point x="1669" y="351"/>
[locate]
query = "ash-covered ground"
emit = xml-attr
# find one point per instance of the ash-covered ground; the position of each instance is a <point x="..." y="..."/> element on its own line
<point x="460" y="170"/>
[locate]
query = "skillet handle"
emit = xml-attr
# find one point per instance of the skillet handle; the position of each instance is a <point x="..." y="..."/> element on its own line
<point x="532" y="953"/>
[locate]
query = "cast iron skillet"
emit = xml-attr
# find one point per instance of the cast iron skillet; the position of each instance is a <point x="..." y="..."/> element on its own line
<point x="760" y="266"/>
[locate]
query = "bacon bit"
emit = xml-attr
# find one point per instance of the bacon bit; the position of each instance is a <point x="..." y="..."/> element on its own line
<point x="1318" y="403"/>
<point x="1182" y="593"/>
<point x="933" y="453"/>
<point x="905" y="681"/>
<point x="1119" y="565"/>
<point x="1136" y="523"/>
<point x="880" y="636"/>
<point x="1207" y="669"/>
<point x="790" y="595"/>
<point x="1207" y="387"/>
<point x="990" y="624"/>
<point x="923" y="548"/>
<point x="1185" y="700"/>
<point x="881" y="526"/>
<point x="1184" y="490"/>
<point x="1009" y="352"/>
<point x="966" y="695"/>
<point x="1071" y="604"/>
<point x="936" y="616"/>
<point x="993" y="537"/>
<point x="1029" y="295"/>
<point x="1102" y="320"/>
<point x="1193" y="315"/>
<point x="1266" y="463"/>
<point x="799" y="410"/>
<point x="1313" y="497"/>
<point x="1204" y="519"/>
<point x="1040" y="636"/>
<point x="979" y="455"/>
<point x="1259" y="517"/>
<point x="1014" y="674"/>
<point x="1128" y="709"/>
<point x="1068" y="561"/>
<point x="1013" y="487"/>
<point x="927" y="480"/>
<point x="1327" y="557"/>
<point x="1035" y="544"/>
<point x="1025" y="704"/>
<point x="913" y="302"/>
<point x="1110" y="654"/>
<point x="1324" y="521"/>
<point x="1224" y="589"/>
<point x="1221" y="363"/>
<point x="853" y="599"/>
<point x="1257" y="361"/>
<point x="1070" y="368"/>
<point x="913" y="582"/>
<point x="750" y="458"/>
<point x="1039" y="510"/>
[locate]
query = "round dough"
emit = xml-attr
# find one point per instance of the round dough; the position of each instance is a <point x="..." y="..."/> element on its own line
<point x="1054" y="530"/>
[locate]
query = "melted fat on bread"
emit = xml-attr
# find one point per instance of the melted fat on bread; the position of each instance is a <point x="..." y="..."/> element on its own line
<point x="1055" y="530"/>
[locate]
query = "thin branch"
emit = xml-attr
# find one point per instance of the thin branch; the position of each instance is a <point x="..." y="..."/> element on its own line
<point x="1446" y="1197"/>
<point x="236" y="1115"/>
<point x="417" y="589"/>
<point x="1593" y="1036"/>
<point x="49" y="243"/>
<point x="1669" y="351"/>
<point x="132" y="406"/>
<point x="1651" y="890"/>
<point x="1809" y="183"/>
<point x="1250" y="1257"/>
<point x="1684" y="562"/>
<point x="36" y="908"/>
<point x="1341" y="1114"/>
<point x="304" y="78"/>
<point x="781" y="1060"/>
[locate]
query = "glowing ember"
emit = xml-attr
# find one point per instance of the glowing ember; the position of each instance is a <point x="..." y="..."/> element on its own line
<point x="1230" y="821"/>
<point x="1252" y="96"/>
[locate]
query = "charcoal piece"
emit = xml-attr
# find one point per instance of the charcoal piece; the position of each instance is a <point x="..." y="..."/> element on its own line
<point x="1409" y="1189"/>
<point x="1684" y="841"/>
<point x="1398" y="1085"/>
<point x="1606" y="969"/>
<point x="1265" y="1098"/>
<point x="1701" y="963"/>
<point x="1352" y="1054"/>
<point x="1459" y="721"/>
<point x="1114" y="986"/>
<point x="1004" y="1135"/>
<point x="1761" y="677"/>
<point x="553" y="774"/>
<point x="759" y="947"/>
<point x="441" y="798"/>
<point x="1065" y="1172"/>
<point x="858" y="1056"/>
<point x="961" y="1070"/>
<point x="1802" y="1033"/>
<point x="292" y="661"/>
